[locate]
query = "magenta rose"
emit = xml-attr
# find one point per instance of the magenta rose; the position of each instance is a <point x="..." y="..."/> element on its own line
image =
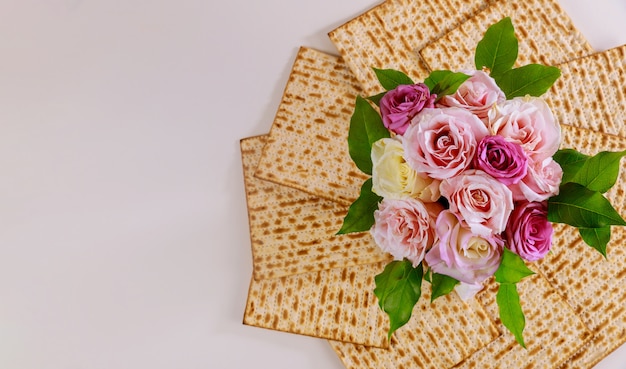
<point x="400" y="105"/>
<point x="528" y="121"/>
<point x="503" y="160"/>
<point x="529" y="233"/>
<point x="461" y="254"/>
<point x="482" y="202"/>
<point x="541" y="182"/>
<point x="479" y="94"/>
<point x="405" y="228"/>
<point x="442" y="142"/>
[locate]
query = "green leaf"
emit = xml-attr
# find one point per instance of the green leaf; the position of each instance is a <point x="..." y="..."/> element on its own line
<point x="599" y="173"/>
<point x="498" y="48"/>
<point x="366" y="127"/>
<point x="445" y="82"/>
<point x="570" y="161"/>
<point x="580" y="207"/>
<point x="597" y="238"/>
<point x="360" y="217"/>
<point x="442" y="285"/>
<point x="391" y="78"/>
<point x="511" y="313"/>
<point x="531" y="79"/>
<point x="398" y="289"/>
<point x="428" y="275"/>
<point x="436" y="77"/>
<point x="376" y="98"/>
<point x="512" y="268"/>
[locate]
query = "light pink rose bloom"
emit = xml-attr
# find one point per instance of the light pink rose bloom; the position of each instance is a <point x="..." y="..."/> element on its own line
<point x="529" y="233"/>
<point x="405" y="228"/>
<point x="461" y="254"/>
<point x="529" y="122"/>
<point x="482" y="202"/>
<point x="479" y="94"/>
<point x="442" y="142"/>
<point x="541" y="182"/>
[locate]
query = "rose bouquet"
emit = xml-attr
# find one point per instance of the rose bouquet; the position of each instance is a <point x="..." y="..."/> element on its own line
<point x="467" y="179"/>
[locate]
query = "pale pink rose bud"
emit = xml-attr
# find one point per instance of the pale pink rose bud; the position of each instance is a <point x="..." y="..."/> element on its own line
<point x="482" y="202"/>
<point x="529" y="122"/>
<point x="405" y="228"/>
<point x="442" y="142"/>
<point x="479" y="94"/>
<point x="503" y="160"/>
<point x="461" y="254"/>
<point x="466" y="291"/>
<point x="541" y="182"/>
<point x="400" y="105"/>
<point x="529" y="233"/>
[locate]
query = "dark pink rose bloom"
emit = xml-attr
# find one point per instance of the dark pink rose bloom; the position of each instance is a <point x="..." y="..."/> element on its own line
<point x="401" y="104"/>
<point x="503" y="160"/>
<point x="529" y="233"/>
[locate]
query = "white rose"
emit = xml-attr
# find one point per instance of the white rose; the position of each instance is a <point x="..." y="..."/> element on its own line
<point x="393" y="178"/>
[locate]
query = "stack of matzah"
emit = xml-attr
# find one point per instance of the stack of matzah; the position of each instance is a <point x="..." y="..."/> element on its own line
<point x="300" y="180"/>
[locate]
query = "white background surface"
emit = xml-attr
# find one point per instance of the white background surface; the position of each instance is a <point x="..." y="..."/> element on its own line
<point x="123" y="227"/>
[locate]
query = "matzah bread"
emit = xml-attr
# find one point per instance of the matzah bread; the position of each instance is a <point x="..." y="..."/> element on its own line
<point x="293" y="232"/>
<point x="547" y="36"/>
<point x="307" y="146"/>
<point x="591" y="92"/>
<point x="553" y="333"/>
<point x="390" y="35"/>
<point x="339" y="304"/>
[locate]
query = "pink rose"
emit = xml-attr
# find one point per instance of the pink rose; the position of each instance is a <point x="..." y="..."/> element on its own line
<point x="400" y="105"/>
<point x="529" y="234"/>
<point x="405" y="228"/>
<point x="483" y="203"/>
<point x="503" y="160"/>
<point x="442" y="142"/>
<point x="479" y="94"/>
<point x="466" y="291"/>
<point x="529" y="122"/>
<point x="540" y="183"/>
<point x="462" y="255"/>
